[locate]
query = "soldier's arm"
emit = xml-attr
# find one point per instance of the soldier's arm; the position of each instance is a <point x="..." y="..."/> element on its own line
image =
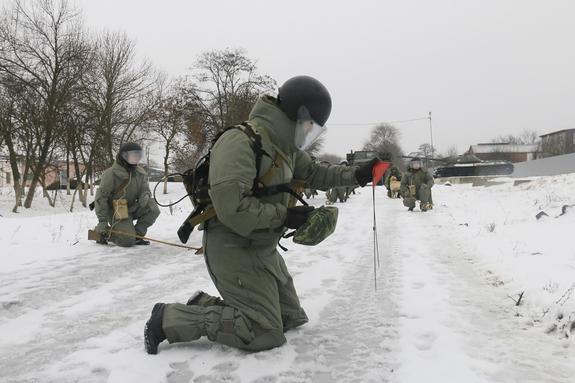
<point x="403" y="188"/>
<point x="103" y="194"/>
<point x="232" y="172"/>
<point x="323" y="176"/>
<point x="429" y="180"/>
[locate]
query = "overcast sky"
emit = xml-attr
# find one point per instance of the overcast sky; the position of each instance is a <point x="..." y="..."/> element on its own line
<point x="482" y="67"/>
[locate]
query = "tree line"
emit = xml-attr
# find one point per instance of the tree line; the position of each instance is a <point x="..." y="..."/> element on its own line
<point x="73" y="96"/>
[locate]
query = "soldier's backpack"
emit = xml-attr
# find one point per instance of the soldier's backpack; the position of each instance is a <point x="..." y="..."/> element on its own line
<point x="197" y="184"/>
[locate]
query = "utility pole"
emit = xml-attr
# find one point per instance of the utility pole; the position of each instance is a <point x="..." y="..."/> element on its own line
<point x="148" y="161"/>
<point x="431" y="135"/>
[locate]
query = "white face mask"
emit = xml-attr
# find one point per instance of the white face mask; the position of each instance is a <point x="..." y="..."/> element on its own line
<point x="416" y="165"/>
<point x="307" y="131"/>
<point x="132" y="157"/>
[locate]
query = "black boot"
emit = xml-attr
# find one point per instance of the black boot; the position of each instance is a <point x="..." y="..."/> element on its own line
<point x="141" y="241"/>
<point x="195" y="298"/>
<point x="153" y="332"/>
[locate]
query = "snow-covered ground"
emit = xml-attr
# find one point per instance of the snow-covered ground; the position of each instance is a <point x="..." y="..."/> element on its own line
<point x="444" y="309"/>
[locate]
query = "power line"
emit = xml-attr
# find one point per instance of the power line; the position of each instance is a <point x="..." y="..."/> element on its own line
<point x="376" y="123"/>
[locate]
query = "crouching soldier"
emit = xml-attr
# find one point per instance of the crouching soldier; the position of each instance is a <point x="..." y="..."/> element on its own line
<point x="124" y="197"/>
<point x="416" y="185"/>
<point x="258" y="301"/>
<point x="393" y="182"/>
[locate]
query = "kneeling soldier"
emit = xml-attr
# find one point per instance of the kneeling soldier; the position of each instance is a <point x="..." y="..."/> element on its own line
<point x="124" y="196"/>
<point x="416" y="185"/>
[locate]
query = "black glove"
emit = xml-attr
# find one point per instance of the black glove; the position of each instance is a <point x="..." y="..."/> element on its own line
<point x="297" y="215"/>
<point x="364" y="174"/>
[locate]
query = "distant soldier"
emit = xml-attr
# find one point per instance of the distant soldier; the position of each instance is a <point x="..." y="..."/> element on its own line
<point x="309" y="193"/>
<point x="124" y="196"/>
<point x="342" y="192"/>
<point x="416" y="185"/>
<point x="334" y="194"/>
<point x="393" y="182"/>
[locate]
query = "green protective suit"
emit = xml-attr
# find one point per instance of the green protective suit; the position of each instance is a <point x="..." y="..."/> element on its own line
<point x="141" y="207"/>
<point x="259" y="302"/>
<point x="392" y="172"/>
<point x="423" y="182"/>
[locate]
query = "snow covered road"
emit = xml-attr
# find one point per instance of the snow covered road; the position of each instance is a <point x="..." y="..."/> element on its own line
<point x="73" y="311"/>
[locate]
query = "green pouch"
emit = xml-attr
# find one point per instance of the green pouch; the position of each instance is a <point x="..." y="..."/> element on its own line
<point x="320" y="224"/>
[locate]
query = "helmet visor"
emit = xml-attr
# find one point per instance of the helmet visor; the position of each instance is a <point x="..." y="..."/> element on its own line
<point x="307" y="131"/>
<point x="416" y="164"/>
<point x="133" y="157"/>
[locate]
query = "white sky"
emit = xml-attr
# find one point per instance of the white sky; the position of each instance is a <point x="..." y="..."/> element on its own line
<point x="483" y="67"/>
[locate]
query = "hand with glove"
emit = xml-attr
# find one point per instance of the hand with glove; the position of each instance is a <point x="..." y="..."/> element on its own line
<point x="297" y="216"/>
<point x="364" y="174"/>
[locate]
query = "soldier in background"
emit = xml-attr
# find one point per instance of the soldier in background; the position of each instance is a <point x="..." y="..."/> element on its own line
<point x="416" y="185"/>
<point x="124" y="197"/>
<point x="393" y="178"/>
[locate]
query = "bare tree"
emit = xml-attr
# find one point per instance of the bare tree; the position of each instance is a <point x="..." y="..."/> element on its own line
<point x="119" y="92"/>
<point x="225" y="86"/>
<point x="170" y="123"/>
<point x="42" y="46"/>
<point x="525" y="138"/>
<point x="385" y="138"/>
<point x="426" y="150"/>
<point x="315" y="149"/>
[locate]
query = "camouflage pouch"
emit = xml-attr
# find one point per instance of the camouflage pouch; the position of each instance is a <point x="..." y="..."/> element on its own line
<point x="412" y="190"/>
<point x="120" y="209"/>
<point x="320" y="224"/>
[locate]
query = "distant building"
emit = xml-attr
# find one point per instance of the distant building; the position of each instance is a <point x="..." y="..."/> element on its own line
<point x="557" y="143"/>
<point x="504" y="152"/>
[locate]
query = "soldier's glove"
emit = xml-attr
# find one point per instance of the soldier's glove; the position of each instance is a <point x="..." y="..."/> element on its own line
<point x="364" y="174"/>
<point x="297" y="216"/>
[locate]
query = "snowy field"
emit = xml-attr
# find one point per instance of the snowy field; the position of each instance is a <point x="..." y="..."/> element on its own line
<point x="446" y="308"/>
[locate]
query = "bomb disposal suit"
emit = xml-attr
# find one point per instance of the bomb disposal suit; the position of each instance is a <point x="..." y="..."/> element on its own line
<point x="258" y="300"/>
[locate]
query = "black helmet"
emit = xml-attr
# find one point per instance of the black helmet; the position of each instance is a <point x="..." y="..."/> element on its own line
<point x="128" y="146"/>
<point x="305" y="91"/>
<point x="130" y="154"/>
<point x="415" y="163"/>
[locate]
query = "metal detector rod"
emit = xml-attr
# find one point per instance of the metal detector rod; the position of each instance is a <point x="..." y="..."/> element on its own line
<point x="155" y="240"/>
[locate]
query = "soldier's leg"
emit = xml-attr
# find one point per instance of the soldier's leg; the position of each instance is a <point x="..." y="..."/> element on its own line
<point x="146" y="216"/>
<point x="200" y="298"/>
<point x="125" y="233"/>
<point x="251" y="316"/>
<point x="424" y="195"/>
<point x="293" y="315"/>
<point x="409" y="202"/>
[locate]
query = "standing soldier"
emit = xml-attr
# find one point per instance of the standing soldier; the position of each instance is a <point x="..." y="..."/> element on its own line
<point x="416" y="185"/>
<point x="258" y="300"/>
<point x="124" y="196"/>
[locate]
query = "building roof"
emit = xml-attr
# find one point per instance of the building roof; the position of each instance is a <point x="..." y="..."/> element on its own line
<point x="557" y="132"/>
<point x="503" y="148"/>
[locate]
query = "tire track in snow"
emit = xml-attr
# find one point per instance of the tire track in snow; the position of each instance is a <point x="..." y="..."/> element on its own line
<point x="77" y="298"/>
<point x="355" y="339"/>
